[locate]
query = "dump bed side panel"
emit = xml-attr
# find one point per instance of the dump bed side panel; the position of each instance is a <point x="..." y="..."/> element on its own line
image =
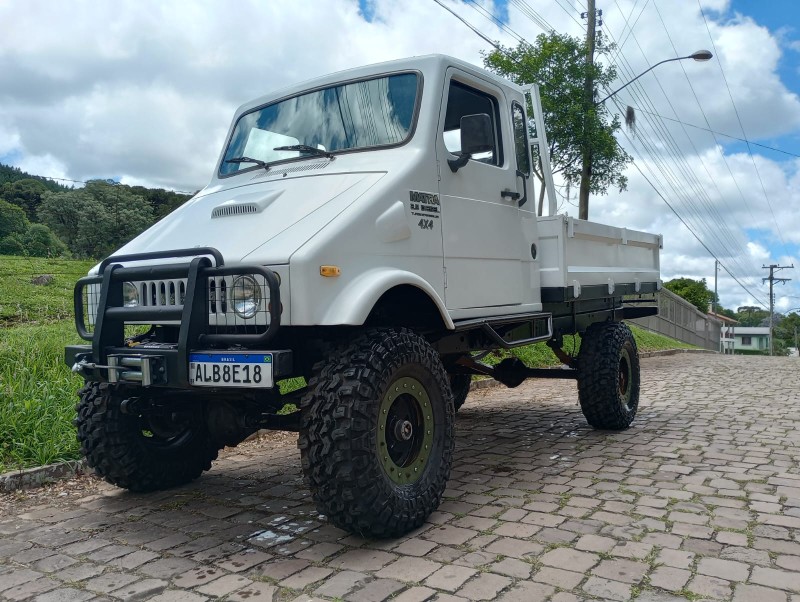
<point x="576" y="254"/>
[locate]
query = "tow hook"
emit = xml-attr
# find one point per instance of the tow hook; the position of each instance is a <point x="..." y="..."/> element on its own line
<point x="143" y="369"/>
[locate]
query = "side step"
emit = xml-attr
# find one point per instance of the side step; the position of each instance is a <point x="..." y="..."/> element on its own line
<point x="512" y="331"/>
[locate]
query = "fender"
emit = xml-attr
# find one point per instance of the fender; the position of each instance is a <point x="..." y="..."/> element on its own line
<point x="353" y="305"/>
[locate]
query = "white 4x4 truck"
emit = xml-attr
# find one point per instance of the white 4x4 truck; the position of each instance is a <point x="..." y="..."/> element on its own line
<point x="372" y="232"/>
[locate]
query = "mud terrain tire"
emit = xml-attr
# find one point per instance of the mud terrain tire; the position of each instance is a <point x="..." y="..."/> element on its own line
<point x="377" y="433"/>
<point x="136" y="452"/>
<point x="608" y="376"/>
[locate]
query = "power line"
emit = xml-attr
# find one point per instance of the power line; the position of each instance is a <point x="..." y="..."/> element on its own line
<point x="116" y="183"/>
<point x="741" y="127"/>
<point x="699" y="127"/>
<point x="472" y="27"/>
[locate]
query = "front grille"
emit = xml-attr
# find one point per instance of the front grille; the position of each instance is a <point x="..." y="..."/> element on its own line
<point x="172" y="293"/>
<point x="162" y="293"/>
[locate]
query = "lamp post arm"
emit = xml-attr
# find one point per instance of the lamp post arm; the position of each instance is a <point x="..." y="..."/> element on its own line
<point x="679" y="58"/>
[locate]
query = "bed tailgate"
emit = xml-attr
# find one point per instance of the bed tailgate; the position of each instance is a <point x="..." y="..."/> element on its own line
<point x="579" y="257"/>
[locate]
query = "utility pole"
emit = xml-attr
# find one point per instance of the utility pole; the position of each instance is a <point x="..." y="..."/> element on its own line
<point x="772" y="269"/>
<point x="714" y="300"/>
<point x="588" y="91"/>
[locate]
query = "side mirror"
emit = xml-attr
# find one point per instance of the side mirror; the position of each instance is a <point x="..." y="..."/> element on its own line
<point x="477" y="136"/>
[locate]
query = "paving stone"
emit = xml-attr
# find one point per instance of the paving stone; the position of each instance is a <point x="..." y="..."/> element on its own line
<point x="526" y="591"/>
<point x="558" y="577"/>
<point x="778" y="579"/>
<point x="595" y="543"/>
<point x="449" y="535"/>
<point x="168" y="567"/>
<point x="573" y="560"/>
<point x="415" y="594"/>
<point x="341" y="584"/>
<point x="376" y="591"/>
<point x="607" y="590"/>
<point x="244" y="560"/>
<point x="675" y="558"/>
<point x="512" y="567"/>
<point x="724" y="569"/>
<point x="178" y="596"/>
<point x="25" y="591"/>
<point x="450" y="577"/>
<point x="362" y="560"/>
<point x="306" y="577"/>
<point x="484" y="587"/>
<point x="710" y="587"/>
<point x="756" y="593"/>
<point x="669" y="578"/>
<point x="141" y="590"/>
<point x="515" y="548"/>
<point x="409" y="569"/>
<point x="65" y="594"/>
<point x="415" y="547"/>
<point x="197" y="577"/>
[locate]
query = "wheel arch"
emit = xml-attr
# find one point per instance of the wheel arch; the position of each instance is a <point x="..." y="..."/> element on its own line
<point x="375" y="297"/>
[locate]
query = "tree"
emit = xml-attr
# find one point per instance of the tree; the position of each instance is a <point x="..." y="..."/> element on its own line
<point x="694" y="291"/>
<point x="95" y="220"/>
<point x="39" y="241"/>
<point x="751" y="315"/>
<point x="558" y="64"/>
<point x="12" y="219"/>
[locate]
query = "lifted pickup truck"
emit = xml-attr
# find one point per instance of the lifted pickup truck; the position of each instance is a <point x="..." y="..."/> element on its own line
<point x="372" y="232"/>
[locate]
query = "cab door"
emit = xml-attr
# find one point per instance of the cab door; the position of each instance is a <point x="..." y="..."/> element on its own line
<point x="480" y="214"/>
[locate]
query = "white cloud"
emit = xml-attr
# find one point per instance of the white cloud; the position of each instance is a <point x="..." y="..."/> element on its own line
<point x="143" y="92"/>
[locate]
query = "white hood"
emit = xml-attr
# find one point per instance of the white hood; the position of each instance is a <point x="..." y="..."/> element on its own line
<point x="263" y="222"/>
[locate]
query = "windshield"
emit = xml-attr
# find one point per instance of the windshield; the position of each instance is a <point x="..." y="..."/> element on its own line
<point x="375" y="112"/>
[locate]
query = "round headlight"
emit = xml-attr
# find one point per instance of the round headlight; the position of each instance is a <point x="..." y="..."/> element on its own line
<point x="130" y="294"/>
<point x="245" y="296"/>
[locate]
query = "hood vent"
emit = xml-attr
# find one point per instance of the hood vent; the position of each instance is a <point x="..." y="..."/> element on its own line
<point x="299" y="167"/>
<point x="226" y="210"/>
<point x="246" y="204"/>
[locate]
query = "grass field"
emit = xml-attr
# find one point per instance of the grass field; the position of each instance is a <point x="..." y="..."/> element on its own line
<point x="37" y="390"/>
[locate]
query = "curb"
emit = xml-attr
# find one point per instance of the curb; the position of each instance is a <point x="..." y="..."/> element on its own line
<point x="30" y="478"/>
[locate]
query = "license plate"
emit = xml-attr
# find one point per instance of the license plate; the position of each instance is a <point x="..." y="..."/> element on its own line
<point x="237" y="369"/>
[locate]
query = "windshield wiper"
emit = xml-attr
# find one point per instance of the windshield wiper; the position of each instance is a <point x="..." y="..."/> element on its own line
<point x="258" y="162"/>
<point x="305" y="148"/>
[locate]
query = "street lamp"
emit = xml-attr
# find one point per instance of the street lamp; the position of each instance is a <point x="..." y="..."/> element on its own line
<point x="586" y="170"/>
<point x="700" y="55"/>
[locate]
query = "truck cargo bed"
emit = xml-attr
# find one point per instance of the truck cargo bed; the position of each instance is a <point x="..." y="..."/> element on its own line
<point x="579" y="257"/>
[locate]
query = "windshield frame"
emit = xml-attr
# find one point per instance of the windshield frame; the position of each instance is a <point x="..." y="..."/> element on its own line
<point x="411" y="130"/>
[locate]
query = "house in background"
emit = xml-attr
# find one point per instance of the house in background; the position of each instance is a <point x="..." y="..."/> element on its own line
<point x="726" y="333"/>
<point x="751" y="339"/>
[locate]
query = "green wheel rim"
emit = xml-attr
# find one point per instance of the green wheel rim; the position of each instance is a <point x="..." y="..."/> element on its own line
<point x="624" y="379"/>
<point x="405" y="430"/>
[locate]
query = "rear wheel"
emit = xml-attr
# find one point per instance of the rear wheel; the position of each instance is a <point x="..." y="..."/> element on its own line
<point x="141" y="452"/>
<point x="608" y="376"/>
<point x="459" y="384"/>
<point x="377" y="433"/>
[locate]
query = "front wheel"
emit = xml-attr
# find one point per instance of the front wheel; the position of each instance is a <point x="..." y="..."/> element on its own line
<point x="377" y="433"/>
<point x="608" y="376"/>
<point x="138" y="452"/>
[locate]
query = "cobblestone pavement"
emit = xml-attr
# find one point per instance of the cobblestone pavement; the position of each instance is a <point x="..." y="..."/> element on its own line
<point x="700" y="499"/>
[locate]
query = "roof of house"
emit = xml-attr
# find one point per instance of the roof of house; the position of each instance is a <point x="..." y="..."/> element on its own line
<point x="751" y="330"/>
<point x="722" y="318"/>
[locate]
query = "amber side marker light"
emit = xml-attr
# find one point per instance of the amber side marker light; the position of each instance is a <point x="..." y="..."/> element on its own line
<point x="329" y="271"/>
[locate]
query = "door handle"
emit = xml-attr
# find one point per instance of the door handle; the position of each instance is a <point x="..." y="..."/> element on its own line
<point x="509" y="194"/>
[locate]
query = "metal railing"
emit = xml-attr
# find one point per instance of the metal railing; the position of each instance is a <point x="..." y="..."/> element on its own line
<point x="679" y="319"/>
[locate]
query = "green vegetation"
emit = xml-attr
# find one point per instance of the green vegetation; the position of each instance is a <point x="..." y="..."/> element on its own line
<point x="541" y="356"/>
<point x="40" y="218"/>
<point x="21" y="301"/>
<point x="37" y="395"/>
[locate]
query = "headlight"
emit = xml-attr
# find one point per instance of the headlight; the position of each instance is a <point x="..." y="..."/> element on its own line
<point x="246" y="296"/>
<point x="130" y="295"/>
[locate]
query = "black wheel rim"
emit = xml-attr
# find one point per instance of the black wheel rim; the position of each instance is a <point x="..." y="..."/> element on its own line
<point x="405" y="430"/>
<point x="165" y="431"/>
<point x="625" y="379"/>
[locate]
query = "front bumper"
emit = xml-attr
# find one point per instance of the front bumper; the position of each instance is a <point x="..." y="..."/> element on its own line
<point x="110" y="356"/>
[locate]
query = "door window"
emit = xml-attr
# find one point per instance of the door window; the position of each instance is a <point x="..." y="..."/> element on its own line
<point x="463" y="100"/>
<point x="521" y="145"/>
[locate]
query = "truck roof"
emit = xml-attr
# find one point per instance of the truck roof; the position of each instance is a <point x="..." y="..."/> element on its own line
<point x="431" y="66"/>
